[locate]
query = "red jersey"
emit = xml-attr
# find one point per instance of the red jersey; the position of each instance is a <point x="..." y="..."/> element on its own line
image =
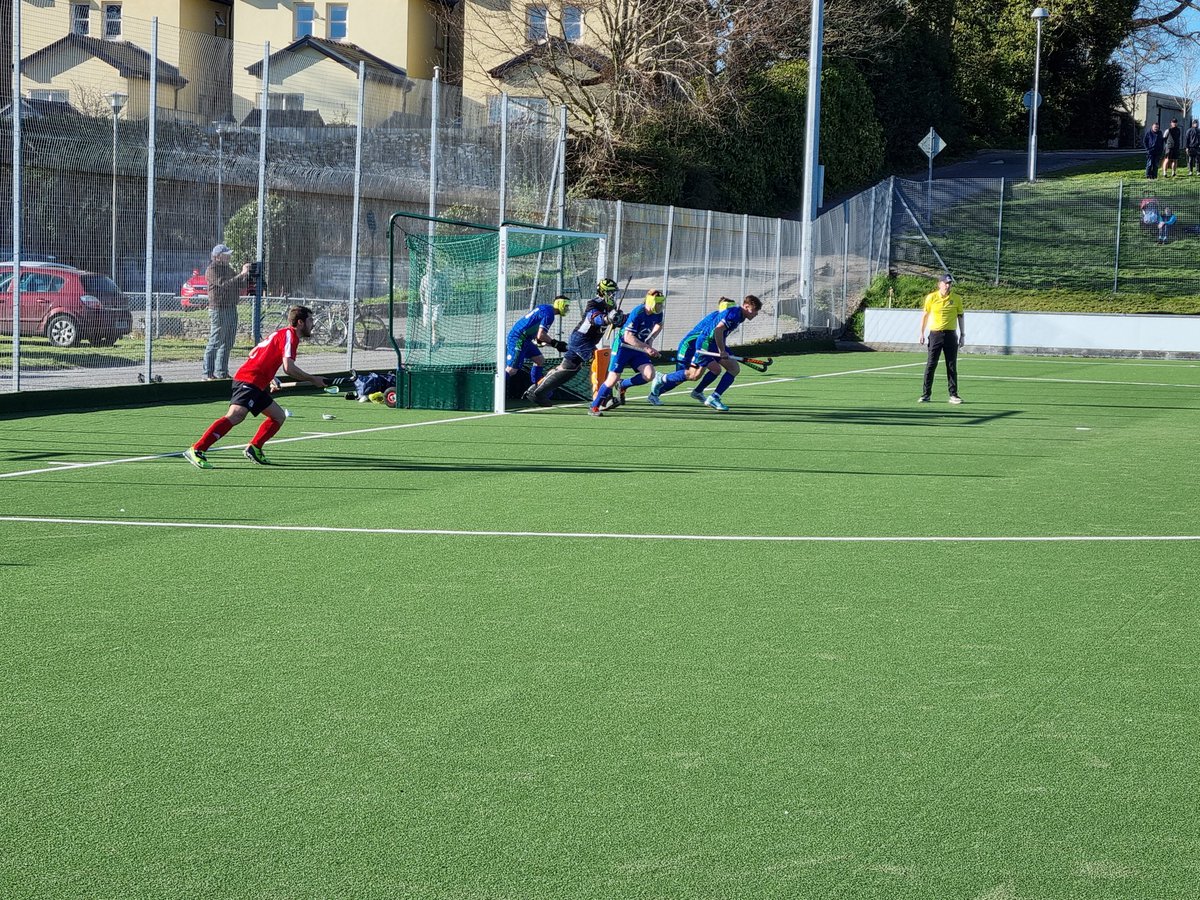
<point x="266" y="358"/>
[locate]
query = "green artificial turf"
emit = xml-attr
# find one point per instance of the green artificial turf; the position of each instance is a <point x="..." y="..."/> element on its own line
<point x="195" y="712"/>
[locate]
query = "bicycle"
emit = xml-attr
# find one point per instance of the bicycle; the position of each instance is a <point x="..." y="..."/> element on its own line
<point x="371" y="331"/>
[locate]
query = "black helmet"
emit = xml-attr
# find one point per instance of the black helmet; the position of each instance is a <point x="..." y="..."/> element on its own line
<point x="606" y="286"/>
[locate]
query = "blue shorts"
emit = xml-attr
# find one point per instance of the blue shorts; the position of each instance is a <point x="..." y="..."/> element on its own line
<point x="686" y="356"/>
<point x="513" y="358"/>
<point x="627" y="357"/>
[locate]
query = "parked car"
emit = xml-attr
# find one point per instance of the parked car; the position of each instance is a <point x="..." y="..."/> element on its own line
<point x="65" y="304"/>
<point x="194" y="292"/>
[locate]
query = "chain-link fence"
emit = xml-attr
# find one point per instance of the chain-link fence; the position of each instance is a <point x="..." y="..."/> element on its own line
<point x="119" y="210"/>
<point x="1113" y="237"/>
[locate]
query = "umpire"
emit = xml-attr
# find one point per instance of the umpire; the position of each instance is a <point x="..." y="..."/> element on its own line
<point x="943" y="312"/>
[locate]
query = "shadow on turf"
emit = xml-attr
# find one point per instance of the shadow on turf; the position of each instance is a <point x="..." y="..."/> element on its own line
<point x="856" y="416"/>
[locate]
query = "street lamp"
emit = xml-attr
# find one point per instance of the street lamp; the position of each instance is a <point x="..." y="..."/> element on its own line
<point x="220" y="127"/>
<point x="1039" y="15"/>
<point x="116" y="100"/>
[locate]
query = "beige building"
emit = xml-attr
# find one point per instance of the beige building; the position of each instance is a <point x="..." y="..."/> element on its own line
<point x="210" y="53"/>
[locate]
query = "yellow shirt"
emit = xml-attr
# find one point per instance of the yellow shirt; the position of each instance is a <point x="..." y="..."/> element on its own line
<point x="943" y="312"/>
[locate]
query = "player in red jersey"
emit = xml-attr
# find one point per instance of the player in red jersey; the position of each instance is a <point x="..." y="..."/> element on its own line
<point x="251" y="390"/>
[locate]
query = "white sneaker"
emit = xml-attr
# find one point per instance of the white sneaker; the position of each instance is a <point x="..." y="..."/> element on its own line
<point x="955" y="399"/>
<point x="652" y="398"/>
<point x="697" y="395"/>
<point x="715" y="402"/>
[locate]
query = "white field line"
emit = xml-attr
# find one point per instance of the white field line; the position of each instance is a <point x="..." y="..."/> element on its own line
<point x="314" y="435"/>
<point x="585" y="535"/>
<point x="966" y="375"/>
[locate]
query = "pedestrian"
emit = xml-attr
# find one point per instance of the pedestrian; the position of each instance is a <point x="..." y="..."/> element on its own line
<point x="692" y="359"/>
<point x="224" y="287"/>
<point x="1152" y="141"/>
<point x="1191" y="143"/>
<point x="252" y="390"/>
<point x="601" y="312"/>
<point x="1172" y="142"/>
<point x="633" y="348"/>
<point x="943" y="312"/>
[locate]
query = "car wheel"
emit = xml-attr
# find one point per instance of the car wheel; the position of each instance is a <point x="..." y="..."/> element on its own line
<point x="62" y="331"/>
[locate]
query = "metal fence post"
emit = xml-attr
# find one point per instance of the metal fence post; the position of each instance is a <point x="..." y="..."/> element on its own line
<point x="434" y="114"/>
<point x="616" y="254"/>
<point x="256" y="306"/>
<point x="745" y="252"/>
<point x="150" y="176"/>
<point x="707" y="251"/>
<point x="871" y="239"/>
<point x="667" y="254"/>
<point x="16" y="195"/>
<point x="356" y="207"/>
<point x="845" y="261"/>
<point x="1117" y="254"/>
<point x="999" y="233"/>
<point x="778" y="267"/>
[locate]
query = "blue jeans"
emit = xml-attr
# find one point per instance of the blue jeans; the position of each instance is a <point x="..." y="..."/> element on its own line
<point x="222" y="331"/>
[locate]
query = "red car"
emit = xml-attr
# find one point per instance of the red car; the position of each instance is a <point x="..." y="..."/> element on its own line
<point x="65" y="304"/>
<point x="194" y="293"/>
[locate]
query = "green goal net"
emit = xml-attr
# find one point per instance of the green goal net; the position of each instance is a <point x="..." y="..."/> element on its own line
<point x="456" y="305"/>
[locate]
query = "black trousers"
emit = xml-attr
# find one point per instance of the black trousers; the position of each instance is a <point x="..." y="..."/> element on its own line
<point x="1193" y="158"/>
<point x="1153" y="161"/>
<point x="942" y="342"/>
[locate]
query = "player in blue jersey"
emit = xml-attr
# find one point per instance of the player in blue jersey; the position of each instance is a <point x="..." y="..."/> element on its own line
<point x="633" y="348"/>
<point x="531" y="332"/>
<point x="599" y="313"/>
<point x="697" y="393"/>
<point x="711" y="333"/>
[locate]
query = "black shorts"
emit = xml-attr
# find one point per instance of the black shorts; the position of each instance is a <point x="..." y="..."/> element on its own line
<point x="253" y="398"/>
<point x="1172" y="155"/>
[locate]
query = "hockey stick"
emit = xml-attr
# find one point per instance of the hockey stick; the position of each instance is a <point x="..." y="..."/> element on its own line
<point x="753" y="362"/>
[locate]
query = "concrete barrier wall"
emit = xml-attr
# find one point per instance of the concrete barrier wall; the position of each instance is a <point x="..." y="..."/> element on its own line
<point x="1071" y="334"/>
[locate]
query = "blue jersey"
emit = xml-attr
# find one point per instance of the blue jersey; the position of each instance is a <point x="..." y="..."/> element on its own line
<point x="706" y="327"/>
<point x="527" y="328"/>
<point x="640" y="323"/>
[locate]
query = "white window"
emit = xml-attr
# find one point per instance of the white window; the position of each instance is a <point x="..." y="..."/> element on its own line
<point x="572" y="21"/>
<point x="112" y="20"/>
<point x="81" y="18"/>
<point x="521" y="110"/>
<point x="54" y="96"/>
<point x="337" y="21"/>
<point x="284" y="101"/>
<point x="535" y="23"/>
<point x="306" y="15"/>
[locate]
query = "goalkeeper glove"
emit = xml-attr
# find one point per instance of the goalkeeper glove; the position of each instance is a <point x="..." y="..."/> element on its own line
<point x="560" y="346"/>
<point x="619" y="318"/>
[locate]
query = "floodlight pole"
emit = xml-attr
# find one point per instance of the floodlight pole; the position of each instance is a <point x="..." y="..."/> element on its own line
<point x="1039" y="15"/>
<point x="116" y="101"/>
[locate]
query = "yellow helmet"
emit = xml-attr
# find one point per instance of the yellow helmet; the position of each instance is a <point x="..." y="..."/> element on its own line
<point x="561" y="305"/>
<point x="606" y="287"/>
<point x="654" y="300"/>
<point x="725" y="303"/>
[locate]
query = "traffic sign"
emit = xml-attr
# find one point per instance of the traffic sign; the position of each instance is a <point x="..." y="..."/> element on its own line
<point x="932" y="144"/>
<point x="1027" y="100"/>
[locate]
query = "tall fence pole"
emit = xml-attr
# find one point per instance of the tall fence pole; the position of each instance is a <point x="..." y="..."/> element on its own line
<point x="707" y="251"/>
<point x="745" y="253"/>
<point x="1117" y="254"/>
<point x="667" y="255"/>
<point x="616" y="253"/>
<point x="778" y="269"/>
<point x="562" y="193"/>
<point x="434" y="115"/>
<point x="356" y="207"/>
<point x="871" y="239"/>
<point x="999" y="233"/>
<point x="256" y="307"/>
<point x="150" y="178"/>
<point x="845" y="262"/>
<point x="16" y="195"/>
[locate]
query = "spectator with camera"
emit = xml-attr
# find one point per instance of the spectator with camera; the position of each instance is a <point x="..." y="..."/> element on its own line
<point x="224" y="287"/>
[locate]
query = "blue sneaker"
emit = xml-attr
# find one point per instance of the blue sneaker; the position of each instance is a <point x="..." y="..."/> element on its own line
<point x="697" y="395"/>
<point x="713" y="401"/>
